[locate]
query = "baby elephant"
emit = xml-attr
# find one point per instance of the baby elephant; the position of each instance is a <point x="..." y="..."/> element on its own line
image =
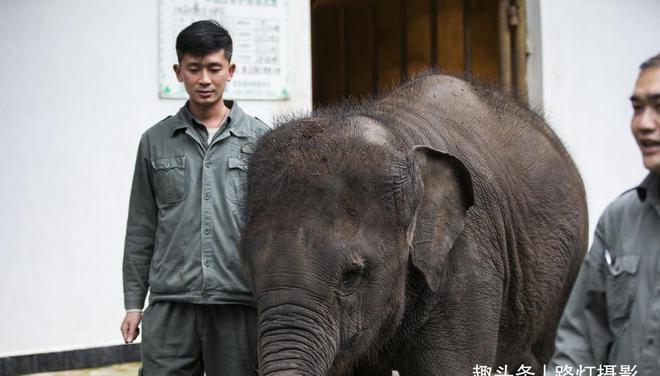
<point x="431" y="231"/>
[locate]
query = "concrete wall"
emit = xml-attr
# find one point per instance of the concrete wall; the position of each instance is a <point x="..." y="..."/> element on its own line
<point x="80" y="84"/>
<point x="584" y="62"/>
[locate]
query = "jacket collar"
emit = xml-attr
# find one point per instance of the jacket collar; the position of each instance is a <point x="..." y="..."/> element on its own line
<point x="650" y="189"/>
<point x="235" y="123"/>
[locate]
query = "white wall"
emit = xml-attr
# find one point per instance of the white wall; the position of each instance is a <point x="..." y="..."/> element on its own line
<point x="80" y="84"/>
<point x="589" y="55"/>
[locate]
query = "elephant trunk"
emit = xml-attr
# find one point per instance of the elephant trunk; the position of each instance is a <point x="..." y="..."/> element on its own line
<point x="294" y="340"/>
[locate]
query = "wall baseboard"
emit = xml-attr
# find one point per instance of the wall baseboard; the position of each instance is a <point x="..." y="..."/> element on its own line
<point x="66" y="360"/>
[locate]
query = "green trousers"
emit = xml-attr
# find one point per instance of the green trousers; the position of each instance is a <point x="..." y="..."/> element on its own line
<point x="182" y="339"/>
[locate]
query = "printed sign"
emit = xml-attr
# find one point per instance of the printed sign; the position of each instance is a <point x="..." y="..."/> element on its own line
<point x="259" y="29"/>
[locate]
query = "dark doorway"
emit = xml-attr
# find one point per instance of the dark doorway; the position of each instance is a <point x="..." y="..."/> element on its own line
<point x="362" y="47"/>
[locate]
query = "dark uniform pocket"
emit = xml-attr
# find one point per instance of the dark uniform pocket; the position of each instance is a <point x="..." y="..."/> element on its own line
<point x="621" y="283"/>
<point x="236" y="180"/>
<point x="236" y="188"/>
<point x="169" y="179"/>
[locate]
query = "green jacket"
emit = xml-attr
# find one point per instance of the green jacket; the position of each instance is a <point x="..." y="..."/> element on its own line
<point x="186" y="212"/>
<point x="613" y="314"/>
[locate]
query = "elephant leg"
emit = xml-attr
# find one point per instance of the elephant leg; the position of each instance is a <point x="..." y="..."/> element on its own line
<point x="544" y="348"/>
<point x="429" y="362"/>
<point x="460" y="335"/>
<point x="515" y="358"/>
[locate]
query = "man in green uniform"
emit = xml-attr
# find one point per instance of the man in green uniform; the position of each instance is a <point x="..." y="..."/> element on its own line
<point x="185" y="215"/>
<point x="611" y="325"/>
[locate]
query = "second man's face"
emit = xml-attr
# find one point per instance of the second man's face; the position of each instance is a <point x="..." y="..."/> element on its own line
<point x="645" y="122"/>
<point x="205" y="77"/>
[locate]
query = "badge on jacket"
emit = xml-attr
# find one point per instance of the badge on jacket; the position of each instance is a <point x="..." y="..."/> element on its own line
<point x="248" y="148"/>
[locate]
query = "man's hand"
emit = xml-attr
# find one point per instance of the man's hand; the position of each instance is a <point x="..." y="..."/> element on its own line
<point x="129" y="327"/>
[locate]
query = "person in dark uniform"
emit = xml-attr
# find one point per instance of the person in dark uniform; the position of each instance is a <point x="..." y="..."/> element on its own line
<point x="185" y="215"/>
<point x="612" y="320"/>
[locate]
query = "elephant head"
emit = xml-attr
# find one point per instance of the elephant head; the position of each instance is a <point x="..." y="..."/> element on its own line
<point x="338" y="213"/>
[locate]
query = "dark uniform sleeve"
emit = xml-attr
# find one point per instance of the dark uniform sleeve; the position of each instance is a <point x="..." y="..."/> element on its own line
<point x="584" y="336"/>
<point x="140" y="232"/>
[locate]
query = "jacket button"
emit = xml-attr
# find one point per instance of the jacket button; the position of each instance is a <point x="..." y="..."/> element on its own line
<point x="207" y="196"/>
<point x="207" y="164"/>
<point x="207" y="231"/>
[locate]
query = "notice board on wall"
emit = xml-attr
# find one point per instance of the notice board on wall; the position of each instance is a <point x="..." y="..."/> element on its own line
<point x="260" y="32"/>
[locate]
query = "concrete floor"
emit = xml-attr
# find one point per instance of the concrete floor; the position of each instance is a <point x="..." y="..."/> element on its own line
<point x="125" y="369"/>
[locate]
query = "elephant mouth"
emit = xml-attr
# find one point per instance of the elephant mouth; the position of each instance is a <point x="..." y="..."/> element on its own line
<point x="353" y="340"/>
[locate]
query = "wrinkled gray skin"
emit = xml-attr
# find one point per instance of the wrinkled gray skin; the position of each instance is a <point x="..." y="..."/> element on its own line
<point x="435" y="229"/>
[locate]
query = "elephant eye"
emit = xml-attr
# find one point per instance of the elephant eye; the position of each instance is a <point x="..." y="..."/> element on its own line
<point x="352" y="278"/>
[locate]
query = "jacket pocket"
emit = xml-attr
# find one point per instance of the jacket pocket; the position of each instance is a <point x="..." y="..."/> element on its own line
<point x="621" y="284"/>
<point x="236" y="180"/>
<point x="169" y="179"/>
<point x="236" y="188"/>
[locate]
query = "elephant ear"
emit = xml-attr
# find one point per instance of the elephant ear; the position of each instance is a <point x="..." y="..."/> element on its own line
<point x="443" y="194"/>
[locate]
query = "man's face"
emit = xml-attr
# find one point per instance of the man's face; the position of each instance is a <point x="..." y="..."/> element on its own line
<point x="205" y="77"/>
<point x="645" y="123"/>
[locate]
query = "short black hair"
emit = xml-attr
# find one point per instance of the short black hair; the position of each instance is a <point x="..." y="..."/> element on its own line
<point x="201" y="38"/>
<point x="652" y="62"/>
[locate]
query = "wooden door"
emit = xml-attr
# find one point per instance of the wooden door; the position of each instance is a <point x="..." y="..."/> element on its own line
<point x="363" y="47"/>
